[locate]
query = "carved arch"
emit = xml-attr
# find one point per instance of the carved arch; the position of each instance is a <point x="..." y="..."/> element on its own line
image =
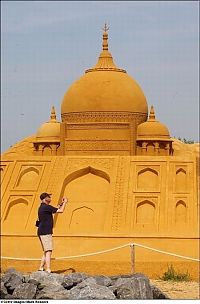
<point x="81" y="218"/>
<point x="180" y="212"/>
<point x="147" y="179"/>
<point x="181" y="202"/>
<point x="150" y="148"/>
<point x="23" y="176"/>
<point x="15" y="219"/>
<point x="47" y="150"/>
<point x="181" y="182"/>
<point x="76" y="174"/>
<point x="86" y="188"/>
<point x="15" y="202"/>
<point x="180" y="170"/>
<point x="145" y="212"/>
<point x="148" y="169"/>
<point x="150" y="144"/>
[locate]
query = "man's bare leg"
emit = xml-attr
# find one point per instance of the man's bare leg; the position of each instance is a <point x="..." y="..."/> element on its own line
<point x="43" y="261"/>
<point x="48" y="260"/>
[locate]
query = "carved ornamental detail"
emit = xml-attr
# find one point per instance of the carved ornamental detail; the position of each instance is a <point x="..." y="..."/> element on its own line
<point x="97" y="145"/>
<point x="56" y="174"/>
<point x="105" y="164"/>
<point x="80" y="117"/>
<point x="119" y="193"/>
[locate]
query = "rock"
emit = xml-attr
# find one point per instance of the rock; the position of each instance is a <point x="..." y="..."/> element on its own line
<point x="68" y="283"/>
<point x="12" y="279"/>
<point x="40" y="286"/>
<point x="92" y="292"/>
<point x="89" y="290"/>
<point x="53" y="288"/>
<point x="122" y="276"/>
<point x="49" y="285"/>
<point x="136" y="287"/>
<point x="73" y="279"/>
<point x="86" y="282"/>
<point x="3" y="291"/>
<point x="54" y="292"/>
<point x="25" y="291"/>
<point x="9" y="296"/>
<point x="103" y="280"/>
<point x="119" y="282"/>
<point x="76" y="286"/>
<point x="46" y="278"/>
<point x="157" y="293"/>
<point x="33" y="281"/>
<point x="11" y="270"/>
<point x="10" y="273"/>
<point x="61" y="295"/>
<point x="26" y="278"/>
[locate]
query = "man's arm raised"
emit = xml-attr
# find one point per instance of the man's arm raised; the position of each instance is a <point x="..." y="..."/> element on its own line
<point x="61" y="207"/>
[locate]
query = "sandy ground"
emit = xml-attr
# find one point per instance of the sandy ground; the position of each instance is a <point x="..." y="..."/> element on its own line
<point x="179" y="290"/>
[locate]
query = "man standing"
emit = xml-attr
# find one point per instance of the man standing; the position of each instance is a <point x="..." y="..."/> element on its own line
<point x="45" y="228"/>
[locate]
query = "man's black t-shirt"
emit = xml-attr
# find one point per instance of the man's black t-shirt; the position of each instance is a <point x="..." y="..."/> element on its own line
<point x="46" y="219"/>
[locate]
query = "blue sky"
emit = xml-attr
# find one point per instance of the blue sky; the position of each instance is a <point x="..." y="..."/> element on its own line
<point x="47" y="45"/>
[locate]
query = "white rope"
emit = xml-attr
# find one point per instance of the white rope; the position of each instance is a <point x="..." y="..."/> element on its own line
<point x="104" y="251"/>
<point x="166" y="252"/>
<point x="72" y="256"/>
<point x="93" y="253"/>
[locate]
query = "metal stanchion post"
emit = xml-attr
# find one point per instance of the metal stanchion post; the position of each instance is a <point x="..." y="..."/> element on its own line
<point x="132" y="258"/>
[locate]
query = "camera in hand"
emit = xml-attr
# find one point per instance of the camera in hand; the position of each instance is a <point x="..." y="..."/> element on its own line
<point x="37" y="223"/>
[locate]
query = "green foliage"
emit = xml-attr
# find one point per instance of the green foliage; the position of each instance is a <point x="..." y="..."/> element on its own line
<point x="172" y="275"/>
<point x="186" y="141"/>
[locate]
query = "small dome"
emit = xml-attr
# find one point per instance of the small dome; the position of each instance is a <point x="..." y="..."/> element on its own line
<point x="104" y="87"/>
<point x="152" y="129"/>
<point x="49" y="131"/>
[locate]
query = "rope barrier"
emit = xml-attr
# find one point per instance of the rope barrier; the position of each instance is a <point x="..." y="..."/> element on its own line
<point x="166" y="252"/>
<point x="72" y="256"/>
<point x="105" y="251"/>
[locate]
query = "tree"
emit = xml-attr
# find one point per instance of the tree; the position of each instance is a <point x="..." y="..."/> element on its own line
<point x="186" y="141"/>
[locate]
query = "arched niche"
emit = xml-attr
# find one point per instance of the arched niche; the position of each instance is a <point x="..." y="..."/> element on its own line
<point x="85" y="188"/>
<point x="81" y="219"/>
<point x="180" y="212"/>
<point x="16" y="216"/>
<point x="88" y="183"/>
<point x="181" y="180"/>
<point x="28" y="178"/>
<point x="84" y="171"/>
<point x="47" y="150"/>
<point x="145" y="213"/>
<point x="150" y="149"/>
<point x="147" y="179"/>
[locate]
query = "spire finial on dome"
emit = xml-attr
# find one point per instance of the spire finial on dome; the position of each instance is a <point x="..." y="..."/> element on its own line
<point x="53" y="115"/>
<point x="105" y="37"/>
<point x="105" y="61"/>
<point x="106" y="28"/>
<point x="152" y="114"/>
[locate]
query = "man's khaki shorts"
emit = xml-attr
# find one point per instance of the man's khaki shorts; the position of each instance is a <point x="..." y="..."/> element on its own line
<point x="47" y="242"/>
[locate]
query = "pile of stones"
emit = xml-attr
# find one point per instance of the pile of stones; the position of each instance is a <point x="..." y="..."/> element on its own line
<point x="76" y="286"/>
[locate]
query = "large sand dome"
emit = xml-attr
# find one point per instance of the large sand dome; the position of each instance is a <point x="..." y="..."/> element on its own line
<point x="105" y="87"/>
<point x="104" y="91"/>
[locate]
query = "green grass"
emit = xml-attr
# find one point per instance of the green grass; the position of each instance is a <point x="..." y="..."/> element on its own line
<point x="172" y="275"/>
